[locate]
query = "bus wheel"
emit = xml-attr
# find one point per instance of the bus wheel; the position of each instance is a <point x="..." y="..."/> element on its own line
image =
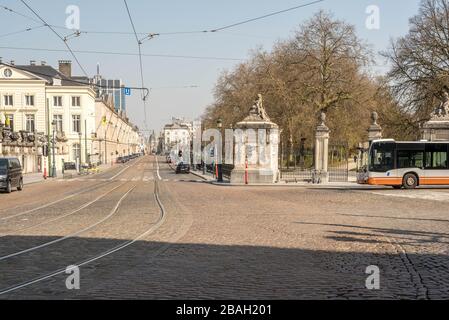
<point x="410" y="181"/>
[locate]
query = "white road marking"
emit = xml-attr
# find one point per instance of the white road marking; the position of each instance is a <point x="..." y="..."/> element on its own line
<point x="417" y="194"/>
<point x="157" y="169"/>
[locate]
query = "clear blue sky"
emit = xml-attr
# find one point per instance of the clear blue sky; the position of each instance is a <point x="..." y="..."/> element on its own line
<point x="181" y="15"/>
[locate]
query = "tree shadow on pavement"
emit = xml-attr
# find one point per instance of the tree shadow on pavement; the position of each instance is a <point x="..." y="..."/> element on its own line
<point x="164" y="270"/>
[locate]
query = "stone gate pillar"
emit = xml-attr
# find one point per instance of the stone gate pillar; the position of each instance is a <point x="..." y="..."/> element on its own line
<point x="322" y="149"/>
<point x="375" y="130"/>
<point x="257" y="148"/>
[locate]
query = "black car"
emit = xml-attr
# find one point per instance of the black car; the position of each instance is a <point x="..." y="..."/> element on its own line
<point x="69" y="166"/>
<point x="10" y="174"/>
<point x="182" y="168"/>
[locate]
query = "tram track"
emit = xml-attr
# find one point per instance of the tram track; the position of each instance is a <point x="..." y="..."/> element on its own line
<point x="84" y="206"/>
<point x="154" y="226"/>
<point x="72" y="195"/>
<point x="72" y="235"/>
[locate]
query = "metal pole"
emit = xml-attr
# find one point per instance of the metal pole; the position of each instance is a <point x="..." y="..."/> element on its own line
<point x="48" y="138"/>
<point x="105" y="149"/>
<point x="85" y="141"/>
<point x="54" y="157"/>
<point x="80" y="152"/>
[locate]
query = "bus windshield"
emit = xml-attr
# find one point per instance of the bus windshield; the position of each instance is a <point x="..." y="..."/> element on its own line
<point x="381" y="157"/>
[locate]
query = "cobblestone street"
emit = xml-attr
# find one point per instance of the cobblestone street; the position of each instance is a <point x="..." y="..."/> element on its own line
<point x="219" y="242"/>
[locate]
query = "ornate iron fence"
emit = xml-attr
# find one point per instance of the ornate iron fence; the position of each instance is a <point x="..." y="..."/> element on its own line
<point x="338" y="162"/>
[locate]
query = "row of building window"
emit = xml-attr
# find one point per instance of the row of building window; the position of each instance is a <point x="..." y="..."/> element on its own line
<point x="30" y="121"/>
<point x="8" y="101"/>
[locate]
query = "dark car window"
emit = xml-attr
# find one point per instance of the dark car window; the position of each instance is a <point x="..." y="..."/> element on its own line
<point x="3" y="166"/>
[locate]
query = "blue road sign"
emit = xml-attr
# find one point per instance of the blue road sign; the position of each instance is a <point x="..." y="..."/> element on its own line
<point x="127" y="91"/>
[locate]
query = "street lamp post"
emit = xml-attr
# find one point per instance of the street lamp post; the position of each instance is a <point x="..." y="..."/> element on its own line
<point x="220" y="161"/>
<point x="80" y="152"/>
<point x="86" y="157"/>
<point x="203" y="155"/>
<point x="53" y="165"/>
<point x="105" y="149"/>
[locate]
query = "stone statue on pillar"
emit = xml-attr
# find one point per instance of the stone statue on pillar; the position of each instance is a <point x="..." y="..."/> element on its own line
<point x="258" y="106"/>
<point x="437" y="128"/>
<point x="442" y="111"/>
<point x="256" y="148"/>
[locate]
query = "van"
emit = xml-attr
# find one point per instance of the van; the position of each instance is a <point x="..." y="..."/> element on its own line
<point x="10" y="174"/>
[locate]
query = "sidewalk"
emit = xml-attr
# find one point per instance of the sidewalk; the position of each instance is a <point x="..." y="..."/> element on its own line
<point x="31" y="178"/>
<point x="208" y="177"/>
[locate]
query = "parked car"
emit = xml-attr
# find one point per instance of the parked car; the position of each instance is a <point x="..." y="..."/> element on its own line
<point x="120" y="160"/>
<point x="69" y="166"/>
<point x="10" y="174"/>
<point x="182" y="168"/>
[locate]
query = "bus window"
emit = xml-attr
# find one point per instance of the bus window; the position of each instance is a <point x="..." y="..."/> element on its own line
<point x="410" y="159"/>
<point x="436" y="156"/>
<point x="381" y="157"/>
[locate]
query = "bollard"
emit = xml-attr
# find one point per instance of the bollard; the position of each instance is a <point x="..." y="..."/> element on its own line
<point x="246" y="171"/>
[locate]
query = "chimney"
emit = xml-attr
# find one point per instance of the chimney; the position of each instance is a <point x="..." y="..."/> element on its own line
<point x="65" y="67"/>
<point x="32" y="62"/>
<point x="43" y="63"/>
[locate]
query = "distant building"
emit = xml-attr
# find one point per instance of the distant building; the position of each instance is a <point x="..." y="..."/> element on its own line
<point x="153" y="142"/>
<point x="114" y="89"/>
<point x="177" y="135"/>
<point x="115" y="136"/>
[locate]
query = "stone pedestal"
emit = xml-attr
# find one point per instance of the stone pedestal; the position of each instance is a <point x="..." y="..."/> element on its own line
<point x="436" y="130"/>
<point x="322" y="149"/>
<point x="256" y="149"/>
<point x="375" y="130"/>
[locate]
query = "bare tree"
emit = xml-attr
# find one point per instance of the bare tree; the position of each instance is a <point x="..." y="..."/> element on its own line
<point x="421" y="60"/>
<point x="320" y="69"/>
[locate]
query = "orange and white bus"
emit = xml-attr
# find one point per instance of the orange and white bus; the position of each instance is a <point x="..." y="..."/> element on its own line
<point x="408" y="164"/>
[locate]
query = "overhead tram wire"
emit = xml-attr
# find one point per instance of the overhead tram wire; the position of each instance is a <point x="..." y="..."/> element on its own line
<point x="21" y="31"/>
<point x="139" y="44"/>
<point x="148" y="34"/>
<point x="19" y="14"/>
<point x="266" y="16"/>
<point x="125" y="53"/>
<point x="151" y="35"/>
<point x="58" y="35"/>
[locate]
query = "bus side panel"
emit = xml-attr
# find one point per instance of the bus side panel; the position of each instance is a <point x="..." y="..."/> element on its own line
<point x="389" y="178"/>
<point x="436" y="177"/>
